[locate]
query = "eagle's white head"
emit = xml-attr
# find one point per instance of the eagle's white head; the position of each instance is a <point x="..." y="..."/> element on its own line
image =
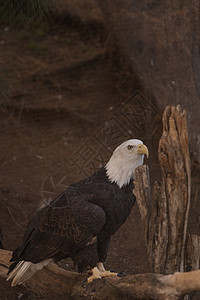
<point x="125" y="159"/>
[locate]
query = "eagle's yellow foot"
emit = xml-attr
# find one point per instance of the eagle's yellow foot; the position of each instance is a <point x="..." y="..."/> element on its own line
<point x="95" y="275"/>
<point x="100" y="272"/>
<point x="104" y="273"/>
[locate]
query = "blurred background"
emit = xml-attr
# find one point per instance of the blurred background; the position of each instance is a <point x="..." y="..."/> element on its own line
<point x="77" y="78"/>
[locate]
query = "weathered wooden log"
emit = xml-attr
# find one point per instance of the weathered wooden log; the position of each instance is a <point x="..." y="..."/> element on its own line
<point x="53" y="282"/>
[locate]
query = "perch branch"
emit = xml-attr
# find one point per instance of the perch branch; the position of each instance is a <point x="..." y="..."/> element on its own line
<point x="53" y="282"/>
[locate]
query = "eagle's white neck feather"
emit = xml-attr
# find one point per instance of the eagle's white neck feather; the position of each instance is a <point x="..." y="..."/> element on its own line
<point x="121" y="171"/>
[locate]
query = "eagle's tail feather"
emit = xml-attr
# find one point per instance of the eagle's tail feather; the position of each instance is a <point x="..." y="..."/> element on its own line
<point x="24" y="270"/>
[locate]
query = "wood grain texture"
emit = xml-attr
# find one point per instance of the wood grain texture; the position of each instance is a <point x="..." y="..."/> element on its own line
<point x="173" y="154"/>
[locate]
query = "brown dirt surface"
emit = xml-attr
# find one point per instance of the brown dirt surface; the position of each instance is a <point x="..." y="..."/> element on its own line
<point x="69" y="81"/>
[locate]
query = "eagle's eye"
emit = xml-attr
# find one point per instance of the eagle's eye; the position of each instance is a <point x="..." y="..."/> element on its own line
<point x="130" y="147"/>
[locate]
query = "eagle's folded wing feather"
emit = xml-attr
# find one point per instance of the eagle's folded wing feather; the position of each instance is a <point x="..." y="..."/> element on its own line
<point x="58" y="231"/>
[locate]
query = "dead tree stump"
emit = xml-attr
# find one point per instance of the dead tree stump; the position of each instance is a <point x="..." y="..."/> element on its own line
<point x="165" y="220"/>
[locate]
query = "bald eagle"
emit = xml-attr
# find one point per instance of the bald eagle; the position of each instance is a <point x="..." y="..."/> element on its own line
<point x="80" y="221"/>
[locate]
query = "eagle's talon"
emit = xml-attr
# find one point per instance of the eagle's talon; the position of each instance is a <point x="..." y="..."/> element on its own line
<point x="84" y="283"/>
<point x="121" y="274"/>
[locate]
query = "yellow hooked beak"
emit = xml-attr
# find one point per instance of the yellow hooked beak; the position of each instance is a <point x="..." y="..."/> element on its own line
<point x="142" y="149"/>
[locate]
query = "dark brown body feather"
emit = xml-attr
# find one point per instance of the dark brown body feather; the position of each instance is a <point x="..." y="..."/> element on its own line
<point x="78" y="223"/>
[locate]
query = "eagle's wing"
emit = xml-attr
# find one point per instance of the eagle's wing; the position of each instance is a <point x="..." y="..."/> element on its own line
<point x="55" y="232"/>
